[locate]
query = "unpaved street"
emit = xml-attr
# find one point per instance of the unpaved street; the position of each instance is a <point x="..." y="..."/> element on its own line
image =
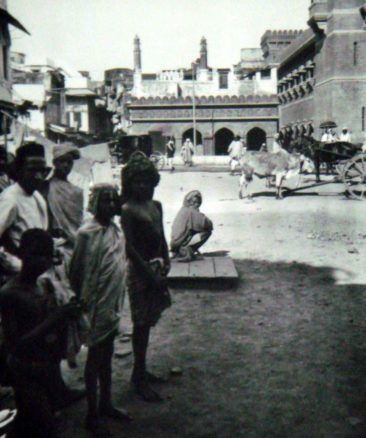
<point x="283" y="354"/>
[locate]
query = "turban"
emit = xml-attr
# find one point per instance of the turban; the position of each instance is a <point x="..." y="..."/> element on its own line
<point x="63" y="149"/>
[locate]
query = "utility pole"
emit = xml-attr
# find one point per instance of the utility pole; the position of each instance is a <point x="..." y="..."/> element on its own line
<point x="194" y="106"/>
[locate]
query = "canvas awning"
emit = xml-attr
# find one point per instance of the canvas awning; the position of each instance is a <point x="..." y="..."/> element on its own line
<point x="6" y="17"/>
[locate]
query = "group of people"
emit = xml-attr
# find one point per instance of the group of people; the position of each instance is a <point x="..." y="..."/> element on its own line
<point x="330" y="136"/>
<point x="187" y="151"/>
<point x="64" y="276"/>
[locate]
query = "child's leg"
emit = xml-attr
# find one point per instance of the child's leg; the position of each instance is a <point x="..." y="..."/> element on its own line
<point x="35" y="417"/>
<point x="105" y="380"/>
<point x="91" y="380"/>
<point x="140" y="341"/>
<point x="105" y="371"/>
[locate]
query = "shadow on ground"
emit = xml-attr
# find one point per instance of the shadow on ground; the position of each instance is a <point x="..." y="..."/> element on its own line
<point x="282" y="355"/>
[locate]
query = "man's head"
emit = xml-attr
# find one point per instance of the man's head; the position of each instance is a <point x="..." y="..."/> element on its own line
<point x="30" y="166"/>
<point x="3" y="160"/>
<point x="36" y="251"/>
<point x="63" y="159"/>
<point x="345" y="130"/>
<point x="139" y="178"/>
<point x="193" y="199"/>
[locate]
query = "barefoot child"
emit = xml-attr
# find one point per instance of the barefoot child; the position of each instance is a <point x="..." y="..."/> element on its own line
<point x="35" y="336"/>
<point x="148" y="262"/>
<point x="97" y="271"/>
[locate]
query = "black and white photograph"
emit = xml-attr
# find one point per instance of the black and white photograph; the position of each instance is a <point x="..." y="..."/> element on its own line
<point x="182" y="218"/>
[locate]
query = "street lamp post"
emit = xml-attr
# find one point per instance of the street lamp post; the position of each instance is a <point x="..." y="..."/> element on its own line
<point x="194" y="105"/>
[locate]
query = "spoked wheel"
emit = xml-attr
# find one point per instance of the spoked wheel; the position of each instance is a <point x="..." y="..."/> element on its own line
<point x="354" y="177"/>
<point x="158" y="159"/>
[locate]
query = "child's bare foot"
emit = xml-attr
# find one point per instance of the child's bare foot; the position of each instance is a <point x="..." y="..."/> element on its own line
<point x="96" y="427"/>
<point x="146" y="393"/>
<point x="116" y="414"/>
<point x="152" y="378"/>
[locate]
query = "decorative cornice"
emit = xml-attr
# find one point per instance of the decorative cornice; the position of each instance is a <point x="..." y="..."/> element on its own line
<point x="203" y="101"/>
<point x="203" y="119"/>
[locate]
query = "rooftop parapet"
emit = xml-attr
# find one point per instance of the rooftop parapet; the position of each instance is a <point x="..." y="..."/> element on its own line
<point x="205" y="100"/>
<point x="281" y="34"/>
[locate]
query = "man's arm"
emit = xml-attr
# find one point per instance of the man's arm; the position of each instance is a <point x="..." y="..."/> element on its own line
<point x="8" y="212"/>
<point x="165" y="245"/>
<point x="143" y="267"/>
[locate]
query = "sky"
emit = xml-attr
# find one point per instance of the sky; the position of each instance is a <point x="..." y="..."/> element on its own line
<point x="96" y="35"/>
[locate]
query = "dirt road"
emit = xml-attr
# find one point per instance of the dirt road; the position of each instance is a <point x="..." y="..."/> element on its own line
<point x="283" y="354"/>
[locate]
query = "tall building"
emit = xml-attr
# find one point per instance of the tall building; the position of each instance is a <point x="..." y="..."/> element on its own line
<point x="322" y="73"/>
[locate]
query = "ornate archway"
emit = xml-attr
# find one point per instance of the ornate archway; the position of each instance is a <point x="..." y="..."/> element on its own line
<point x="223" y="138"/>
<point x="189" y="134"/>
<point x="255" y="138"/>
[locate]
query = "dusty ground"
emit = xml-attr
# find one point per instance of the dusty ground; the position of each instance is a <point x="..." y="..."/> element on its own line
<point x="282" y="355"/>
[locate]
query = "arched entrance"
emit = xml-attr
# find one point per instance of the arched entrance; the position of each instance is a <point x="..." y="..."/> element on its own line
<point x="189" y="134"/>
<point x="223" y="138"/>
<point x="255" y="138"/>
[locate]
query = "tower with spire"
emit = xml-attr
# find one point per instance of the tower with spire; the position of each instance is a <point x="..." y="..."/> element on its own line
<point x="203" y="54"/>
<point x="136" y="54"/>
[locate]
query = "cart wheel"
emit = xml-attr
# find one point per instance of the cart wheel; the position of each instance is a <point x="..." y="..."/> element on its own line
<point x="158" y="159"/>
<point x="354" y="177"/>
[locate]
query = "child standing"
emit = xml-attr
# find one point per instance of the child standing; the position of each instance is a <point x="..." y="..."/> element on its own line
<point x="148" y="263"/>
<point x="35" y="336"/>
<point x="97" y="271"/>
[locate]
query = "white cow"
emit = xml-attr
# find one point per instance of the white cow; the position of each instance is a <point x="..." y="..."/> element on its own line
<point x="280" y="165"/>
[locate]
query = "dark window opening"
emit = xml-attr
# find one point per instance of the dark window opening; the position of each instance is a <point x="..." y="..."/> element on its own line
<point x="266" y="74"/>
<point x="355" y="53"/>
<point x="223" y="81"/>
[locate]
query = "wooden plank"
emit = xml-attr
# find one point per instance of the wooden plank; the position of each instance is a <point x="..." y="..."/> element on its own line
<point x="179" y="270"/>
<point x="202" y="268"/>
<point x="224" y="267"/>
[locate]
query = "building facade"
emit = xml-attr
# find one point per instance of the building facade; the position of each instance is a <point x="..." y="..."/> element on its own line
<point x="214" y="103"/>
<point x="7" y="106"/>
<point x="322" y="74"/>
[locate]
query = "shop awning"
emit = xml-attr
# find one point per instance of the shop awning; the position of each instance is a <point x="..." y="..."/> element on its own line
<point x="5" y="17"/>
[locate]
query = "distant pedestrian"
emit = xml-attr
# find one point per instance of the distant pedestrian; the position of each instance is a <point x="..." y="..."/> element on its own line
<point x="187" y="152"/>
<point x="263" y="148"/>
<point x="235" y="152"/>
<point x="170" y="151"/>
<point x="276" y="146"/>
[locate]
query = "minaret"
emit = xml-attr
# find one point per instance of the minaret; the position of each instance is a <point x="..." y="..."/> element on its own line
<point x="203" y="54"/>
<point x="137" y="54"/>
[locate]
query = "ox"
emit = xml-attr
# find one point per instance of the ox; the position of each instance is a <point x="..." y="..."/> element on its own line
<point x="280" y="165"/>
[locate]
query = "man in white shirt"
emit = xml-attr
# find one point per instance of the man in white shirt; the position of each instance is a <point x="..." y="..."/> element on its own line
<point x="22" y="207"/>
<point x="345" y="136"/>
<point x="276" y="147"/>
<point x="235" y="152"/>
